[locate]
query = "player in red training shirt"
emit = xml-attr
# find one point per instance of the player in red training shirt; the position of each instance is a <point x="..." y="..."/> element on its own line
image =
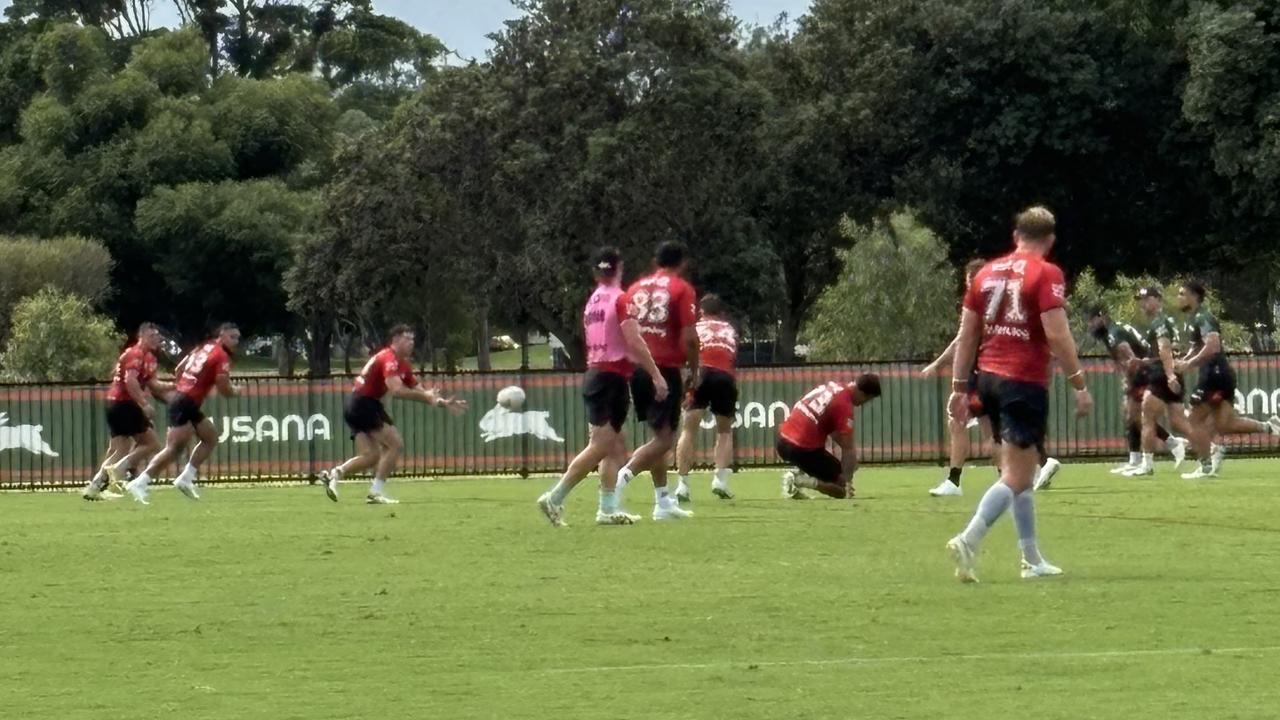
<point x="825" y="412"/>
<point x="129" y="412"/>
<point x="200" y="372"/>
<point x="378" y="442"/>
<point x="1014" y="320"/>
<point x="717" y="390"/>
<point x="666" y="308"/>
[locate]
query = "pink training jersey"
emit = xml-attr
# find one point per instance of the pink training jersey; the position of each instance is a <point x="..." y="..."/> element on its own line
<point x="606" y="348"/>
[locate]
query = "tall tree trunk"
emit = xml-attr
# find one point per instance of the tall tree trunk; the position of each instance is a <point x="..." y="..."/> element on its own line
<point x="484" y="361"/>
<point x="784" y="345"/>
<point x="320" y="349"/>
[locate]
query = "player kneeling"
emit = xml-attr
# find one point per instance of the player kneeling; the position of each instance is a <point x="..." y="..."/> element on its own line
<point x="826" y="412"/>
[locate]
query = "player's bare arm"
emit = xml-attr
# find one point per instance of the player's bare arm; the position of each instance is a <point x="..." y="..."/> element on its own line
<point x="1212" y="347"/>
<point x="934" y="369"/>
<point x="639" y="351"/>
<point x="1057" y="331"/>
<point x="225" y="388"/>
<point x="692" y="352"/>
<point x="437" y="397"/>
<point x="848" y="456"/>
<point x="966" y="348"/>
<point x="137" y="393"/>
<point x="1170" y="365"/>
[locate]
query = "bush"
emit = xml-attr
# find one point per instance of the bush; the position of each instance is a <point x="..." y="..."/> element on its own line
<point x="56" y="336"/>
<point x="895" y="297"/>
<point x="69" y="264"/>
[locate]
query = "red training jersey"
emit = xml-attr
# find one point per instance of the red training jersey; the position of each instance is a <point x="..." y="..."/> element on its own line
<point x="827" y="410"/>
<point x="373" y="378"/>
<point x="199" y="372"/>
<point x="1009" y="294"/>
<point x="664" y="305"/>
<point x="718" y="343"/>
<point x="136" y="359"/>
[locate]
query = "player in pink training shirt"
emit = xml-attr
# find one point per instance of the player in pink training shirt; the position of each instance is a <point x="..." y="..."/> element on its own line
<point x="611" y="344"/>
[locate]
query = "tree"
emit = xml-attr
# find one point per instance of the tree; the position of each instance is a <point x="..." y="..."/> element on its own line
<point x="69" y="265"/>
<point x="894" y="298"/>
<point x="56" y="336"/>
<point x="221" y="252"/>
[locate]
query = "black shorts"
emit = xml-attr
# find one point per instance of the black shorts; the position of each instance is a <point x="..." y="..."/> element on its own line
<point x="717" y="390"/>
<point x="1019" y="411"/>
<point x="1158" y="384"/>
<point x="1217" y="385"/>
<point x="126" y="419"/>
<point x="816" y="463"/>
<point x="1137" y="385"/>
<point x="607" y="398"/>
<point x="658" y="415"/>
<point x="364" y="414"/>
<point x="184" y="411"/>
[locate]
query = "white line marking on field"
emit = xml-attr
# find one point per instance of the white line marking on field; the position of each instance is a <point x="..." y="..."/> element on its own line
<point x="1100" y="654"/>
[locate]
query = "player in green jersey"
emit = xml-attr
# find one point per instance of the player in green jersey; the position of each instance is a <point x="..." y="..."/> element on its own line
<point x="1213" y="409"/>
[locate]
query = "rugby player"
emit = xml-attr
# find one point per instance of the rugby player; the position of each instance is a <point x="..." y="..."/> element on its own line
<point x="959" y="430"/>
<point x="716" y="390"/>
<point x="664" y="307"/>
<point x="1164" y="385"/>
<point x="129" y="412"/>
<point x="378" y="442"/>
<point x="824" y="412"/>
<point x="1213" y="409"/>
<point x="606" y="394"/>
<point x="200" y="372"/>
<point x="1129" y="352"/>
<point x="1014" y="320"/>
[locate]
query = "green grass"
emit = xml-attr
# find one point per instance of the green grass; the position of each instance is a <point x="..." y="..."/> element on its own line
<point x="463" y="603"/>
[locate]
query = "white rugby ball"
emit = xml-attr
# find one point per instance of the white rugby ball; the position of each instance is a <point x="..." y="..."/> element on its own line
<point x="511" y="398"/>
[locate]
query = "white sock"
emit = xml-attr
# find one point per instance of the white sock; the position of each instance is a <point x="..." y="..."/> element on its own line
<point x="661" y="495"/>
<point x="559" y="492"/>
<point x="1024" y="519"/>
<point x="1135" y="458"/>
<point x="1148" y="460"/>
<point x="188" y="472"/>
<point x="624" y="476"/>
<point x="684" y="481"/>
<point x="99" y="476"/>
<point x="994" y="502"/>
<point x="143" y="480"/>
<point x="804" y="481"/>
<point x="722" y="475"/>
<point x="379" y="484"/>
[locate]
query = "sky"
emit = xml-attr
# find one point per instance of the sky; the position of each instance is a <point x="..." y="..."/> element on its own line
<point x="462" y="24"/>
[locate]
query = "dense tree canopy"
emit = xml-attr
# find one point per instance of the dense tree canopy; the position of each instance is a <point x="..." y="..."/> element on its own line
<point x="314" y="165"/>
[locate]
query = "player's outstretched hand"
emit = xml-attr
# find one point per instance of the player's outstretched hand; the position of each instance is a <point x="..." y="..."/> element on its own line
<point x="958" y="406"/>
<point x="457" y="406"/>
<point x="1084" y="402"/>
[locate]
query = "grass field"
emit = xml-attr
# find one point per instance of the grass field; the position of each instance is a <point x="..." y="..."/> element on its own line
<point x="463" y="603"/>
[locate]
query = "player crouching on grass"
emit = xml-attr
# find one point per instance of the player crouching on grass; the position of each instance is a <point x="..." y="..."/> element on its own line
<point x="205" y="368"/>
<point x="378" y="442"/>
<point x="129" y="412"/>
<point x="825" y="412"/>
<point x="717" y="390"/>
